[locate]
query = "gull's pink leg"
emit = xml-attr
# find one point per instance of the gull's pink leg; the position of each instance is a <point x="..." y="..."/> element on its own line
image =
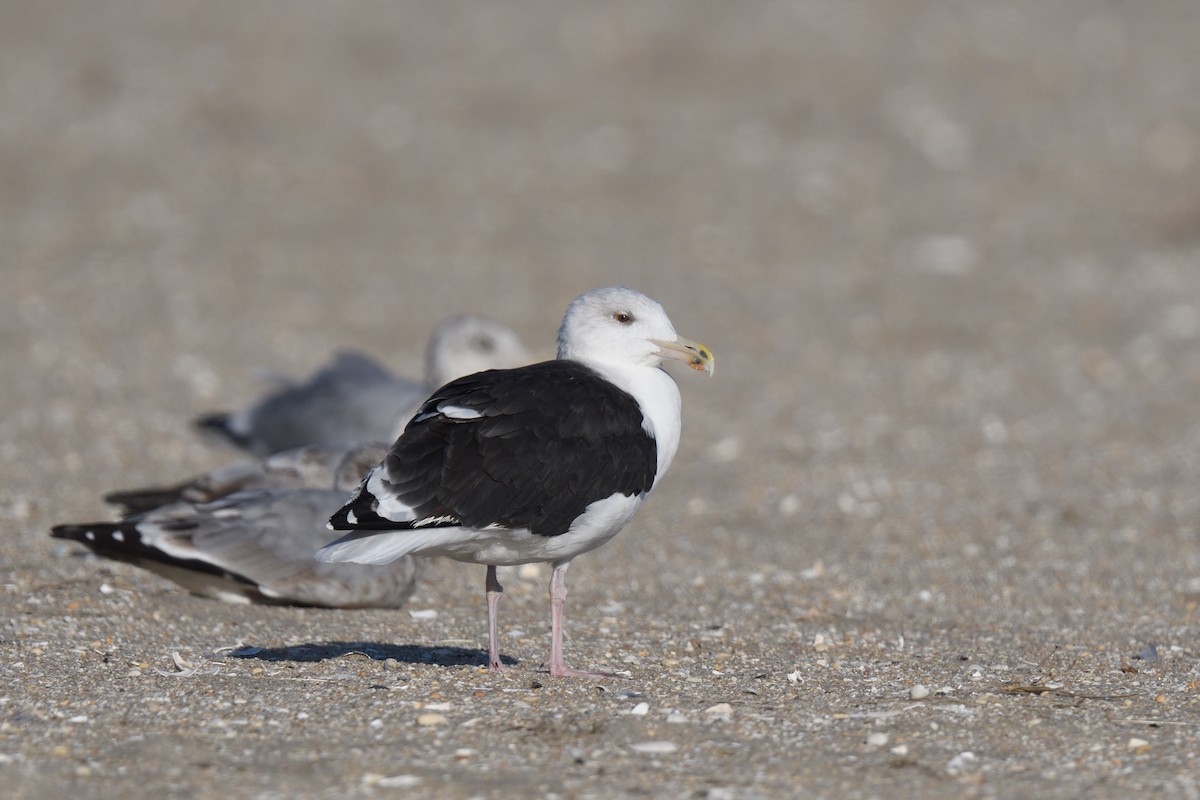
<point x="494" y="590"/>
<point x="558" y="598"/>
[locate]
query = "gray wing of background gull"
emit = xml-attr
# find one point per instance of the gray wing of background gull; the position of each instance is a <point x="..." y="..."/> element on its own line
<point x="310" y="467"/>
<point x="354" y="399"/>
<point x="256" y="545"/>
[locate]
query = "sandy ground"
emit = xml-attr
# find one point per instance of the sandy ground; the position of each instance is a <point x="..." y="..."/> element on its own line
<point x="948" y="255"/>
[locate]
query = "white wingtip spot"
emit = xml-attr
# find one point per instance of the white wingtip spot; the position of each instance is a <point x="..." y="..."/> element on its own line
<point x="458" y="412"/>
<point x="89" y="535"/>
<point x="118" y="536"/>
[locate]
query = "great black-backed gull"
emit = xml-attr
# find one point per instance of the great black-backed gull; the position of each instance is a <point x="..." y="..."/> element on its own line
<point x="539" y="463"/>
<point x="256" y="544"/>
<point x="355" y="400"/>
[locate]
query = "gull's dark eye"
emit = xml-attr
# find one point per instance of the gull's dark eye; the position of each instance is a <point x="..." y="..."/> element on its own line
<point x="484" y="343"/>
<point x="623" y="317"/>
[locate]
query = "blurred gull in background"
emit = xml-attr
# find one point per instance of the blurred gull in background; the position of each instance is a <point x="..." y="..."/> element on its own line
<point x="313" y="466"/>
<point x="355" y="400"/>
<point x="254" y="544"/>
<point x="246" y="532"/>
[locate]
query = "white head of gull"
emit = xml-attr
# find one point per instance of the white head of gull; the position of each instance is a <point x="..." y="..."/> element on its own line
<point x="467" y="344"/>
<point x="538" y="463"/>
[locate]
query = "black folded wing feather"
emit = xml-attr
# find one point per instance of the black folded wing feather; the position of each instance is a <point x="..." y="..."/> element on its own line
<point x="550" y="439"/>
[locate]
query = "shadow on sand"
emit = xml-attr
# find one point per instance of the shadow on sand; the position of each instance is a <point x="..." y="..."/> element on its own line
<point x="404" y="653"/>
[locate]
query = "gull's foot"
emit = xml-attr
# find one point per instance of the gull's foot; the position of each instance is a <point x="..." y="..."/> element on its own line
<point x="563" y="671"/>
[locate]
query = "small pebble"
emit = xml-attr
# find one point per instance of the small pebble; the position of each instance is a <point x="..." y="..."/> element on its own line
<point x="919" y="692"/>
<point x="1147" y="653"/>
<point x="1138" y="746"/>
<point x="789" y="506"/>
<point x="529" y="572"/>
<point x="391" y="664"/>
<point x="963" y="762"/>
<point x="877" y="739"/>
<point x="640" y="710"/>
<point x="900" y="750"/>
<point x="431" y="719"/>
<point x="719" y="711"/>
<point x="654" y="748"/>
<point x="423" y="613"/>
<point x="390" y="781"/>
<point x="134" y="673"/>
<point x="726" y="450"/>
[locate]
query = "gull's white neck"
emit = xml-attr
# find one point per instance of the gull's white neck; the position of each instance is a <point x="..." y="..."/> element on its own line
<point x="658" y="396"/>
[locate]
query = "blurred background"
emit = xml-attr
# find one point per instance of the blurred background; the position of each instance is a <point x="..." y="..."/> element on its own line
<point x="943" y="246"/>
<point x="947" y="255"/>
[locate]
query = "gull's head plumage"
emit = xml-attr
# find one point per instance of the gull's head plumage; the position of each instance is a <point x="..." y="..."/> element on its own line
<point x="622" y="326"/>
<point x="468" y="344"/>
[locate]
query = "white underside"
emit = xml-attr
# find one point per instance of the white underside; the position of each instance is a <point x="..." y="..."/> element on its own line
<point x="599" y="522"/>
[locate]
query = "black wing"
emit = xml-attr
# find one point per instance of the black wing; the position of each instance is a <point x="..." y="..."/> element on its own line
<point x="549" y="440"/>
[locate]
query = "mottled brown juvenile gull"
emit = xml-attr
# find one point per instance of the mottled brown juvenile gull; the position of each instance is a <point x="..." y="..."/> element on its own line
<point x="538" y="463"/>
